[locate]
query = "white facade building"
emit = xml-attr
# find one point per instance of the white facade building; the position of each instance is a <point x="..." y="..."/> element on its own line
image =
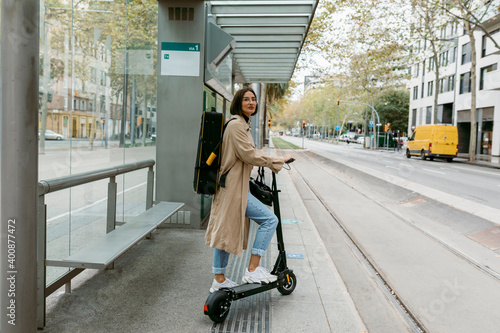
<point x="454" y="99"/>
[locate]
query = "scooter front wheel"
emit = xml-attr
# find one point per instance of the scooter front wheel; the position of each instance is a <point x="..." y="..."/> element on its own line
<point x="217" y="306"/>
<point x="289" y="286"/>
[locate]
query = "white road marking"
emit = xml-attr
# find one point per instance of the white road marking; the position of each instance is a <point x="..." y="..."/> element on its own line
<point x="479" y="171"/>
<point x="93" y="204"/>
<point x="430" y="170"/>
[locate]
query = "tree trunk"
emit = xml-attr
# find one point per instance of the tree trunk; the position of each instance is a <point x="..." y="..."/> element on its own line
<point x="115" y="115"/>
<point x="45" y="85"/>
<point x="473" y="122"/>
<point x="262" y="114"/>
<point x="144" y="112"/>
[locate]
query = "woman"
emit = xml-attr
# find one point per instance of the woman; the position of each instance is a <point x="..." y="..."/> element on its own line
<point x="232" y="205"/>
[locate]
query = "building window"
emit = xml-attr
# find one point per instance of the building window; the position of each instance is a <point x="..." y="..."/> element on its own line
<point x="454" y="52"/>
<point x="466" y="53"/>
<point x="443" y="32"/>
<point x="445" y="58"/>
<point x="451" y="83"/>
<point x="428" y="115"/>
<point x="75" y="104"/>
<point x="485" y="42"/>
<point x="430" y="86"/>
<point x="454" y="28"/>
<point x="441" y="85"/>
<point x="431" y="64"/>
<point x="465" y="83"/>
<point x="422" y="91"/>
<point x="483" y="72"/>
<point x="415" y="92"/>
<point x="483" y="51"/>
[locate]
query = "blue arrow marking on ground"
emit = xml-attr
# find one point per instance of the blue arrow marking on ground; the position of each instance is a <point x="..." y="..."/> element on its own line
<point x="294" y="256"/>
<point x="288" y="221"/>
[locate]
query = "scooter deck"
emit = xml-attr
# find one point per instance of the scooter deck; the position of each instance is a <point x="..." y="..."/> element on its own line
<point x="249" y="289"/>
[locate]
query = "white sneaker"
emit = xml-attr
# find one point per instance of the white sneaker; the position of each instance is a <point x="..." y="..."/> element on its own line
<point x="260" y="275"/>
<point x="226" y="284"/>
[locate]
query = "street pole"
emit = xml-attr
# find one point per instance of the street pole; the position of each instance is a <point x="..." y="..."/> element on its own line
<point x="303" y="132"/>
<point x="19" y="165"/>
<point x="338" y="120"/>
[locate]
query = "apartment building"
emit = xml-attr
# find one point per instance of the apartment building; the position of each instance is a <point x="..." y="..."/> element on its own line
<point x="454" y="87"/>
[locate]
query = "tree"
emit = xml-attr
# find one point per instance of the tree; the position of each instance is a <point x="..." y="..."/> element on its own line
<point x="392" y="107"/>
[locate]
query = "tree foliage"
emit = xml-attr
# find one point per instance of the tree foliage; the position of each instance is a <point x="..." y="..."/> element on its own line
<point x="392" y="107"/>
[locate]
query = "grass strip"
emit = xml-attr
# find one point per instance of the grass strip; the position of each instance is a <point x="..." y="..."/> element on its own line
<point x="282" y="144"/>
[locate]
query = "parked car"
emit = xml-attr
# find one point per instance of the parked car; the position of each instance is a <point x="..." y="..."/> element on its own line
<point x="433" y="141"/>
<point x="153" y="137"/>
<point x="360" y="139"/>
<point x="51" y="135"/>
<point x="349" y="137"/>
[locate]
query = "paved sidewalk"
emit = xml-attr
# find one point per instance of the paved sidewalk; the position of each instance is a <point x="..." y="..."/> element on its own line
<point x="161" y="284"/>
<point x="481" y="160"/>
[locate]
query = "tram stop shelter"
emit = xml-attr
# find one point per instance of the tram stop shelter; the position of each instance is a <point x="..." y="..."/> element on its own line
<point x="204" y="48"/>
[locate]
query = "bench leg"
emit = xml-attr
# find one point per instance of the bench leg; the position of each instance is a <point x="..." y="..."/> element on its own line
<point x="67" y="287"/>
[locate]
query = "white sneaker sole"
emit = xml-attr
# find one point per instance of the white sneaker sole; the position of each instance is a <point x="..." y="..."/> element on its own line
<point x="212" y="289"/>
<point x="249" y="279"/>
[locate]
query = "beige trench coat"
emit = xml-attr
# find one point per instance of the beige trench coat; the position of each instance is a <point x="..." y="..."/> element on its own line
<point x="228" y="227"/>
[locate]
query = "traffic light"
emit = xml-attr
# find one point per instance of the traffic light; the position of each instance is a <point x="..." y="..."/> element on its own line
<point x="303" y="124"/>
<point x="269" y="122"/>
<point x="385" y="128"/>
<point x="338" y="101"/>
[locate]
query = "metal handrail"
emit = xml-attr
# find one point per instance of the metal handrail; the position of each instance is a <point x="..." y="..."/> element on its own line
<point x="61" y="183"/>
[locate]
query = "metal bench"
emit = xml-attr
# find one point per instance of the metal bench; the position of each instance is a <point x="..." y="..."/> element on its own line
<point x="102" y="252"/>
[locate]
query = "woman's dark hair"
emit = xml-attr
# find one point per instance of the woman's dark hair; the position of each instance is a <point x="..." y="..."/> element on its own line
<point x="238" y="100"/>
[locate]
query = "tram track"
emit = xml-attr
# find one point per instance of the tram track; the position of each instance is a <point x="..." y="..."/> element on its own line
<point x="390" y="293"/>
<point x="411" y="318"/>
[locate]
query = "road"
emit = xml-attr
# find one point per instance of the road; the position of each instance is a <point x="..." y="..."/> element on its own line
<point x="422" y="232"/>
<point x="469" y="182"/>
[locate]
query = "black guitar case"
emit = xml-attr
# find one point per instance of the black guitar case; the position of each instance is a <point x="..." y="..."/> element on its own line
<point x="208" y="156"/>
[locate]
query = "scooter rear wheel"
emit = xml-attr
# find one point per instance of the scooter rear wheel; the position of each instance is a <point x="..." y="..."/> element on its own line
<point x="289" y="286"/>
<point x="217" y="306"/>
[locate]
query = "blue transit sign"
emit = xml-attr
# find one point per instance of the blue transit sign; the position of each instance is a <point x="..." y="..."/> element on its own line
<point x="337" y="128"/>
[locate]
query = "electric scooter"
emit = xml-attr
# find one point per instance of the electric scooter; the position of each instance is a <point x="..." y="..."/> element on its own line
<point x="219" y="302"/>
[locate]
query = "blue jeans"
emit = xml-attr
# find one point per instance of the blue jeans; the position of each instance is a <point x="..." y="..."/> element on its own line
<point x="267" y="221"/>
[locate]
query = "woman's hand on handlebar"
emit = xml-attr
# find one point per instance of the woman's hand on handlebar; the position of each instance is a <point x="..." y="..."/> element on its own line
<point x="288" y="158"/>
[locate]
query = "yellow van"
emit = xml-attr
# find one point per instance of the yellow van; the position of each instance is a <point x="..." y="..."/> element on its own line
<point x="433" y="141"/>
